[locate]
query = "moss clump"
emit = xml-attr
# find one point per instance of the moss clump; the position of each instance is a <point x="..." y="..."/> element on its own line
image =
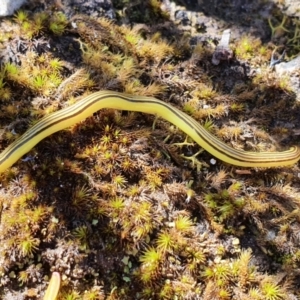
<point x="122" y="210"/>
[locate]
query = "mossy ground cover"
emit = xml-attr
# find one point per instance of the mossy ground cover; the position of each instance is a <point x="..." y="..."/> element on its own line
<point x="123" y="209"/>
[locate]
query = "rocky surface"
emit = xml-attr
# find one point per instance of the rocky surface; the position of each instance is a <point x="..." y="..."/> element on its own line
<point x="8" y="7"/>
<point x="87" y="185"/>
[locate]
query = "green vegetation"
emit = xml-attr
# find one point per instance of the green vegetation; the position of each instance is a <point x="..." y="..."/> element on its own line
<point x="125" y="211"/>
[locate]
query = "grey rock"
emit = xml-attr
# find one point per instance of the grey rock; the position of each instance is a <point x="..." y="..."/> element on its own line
<point x="8" y="7"/>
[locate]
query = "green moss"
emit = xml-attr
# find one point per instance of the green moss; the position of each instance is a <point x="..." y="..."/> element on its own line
<point x="114" y="195"/>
